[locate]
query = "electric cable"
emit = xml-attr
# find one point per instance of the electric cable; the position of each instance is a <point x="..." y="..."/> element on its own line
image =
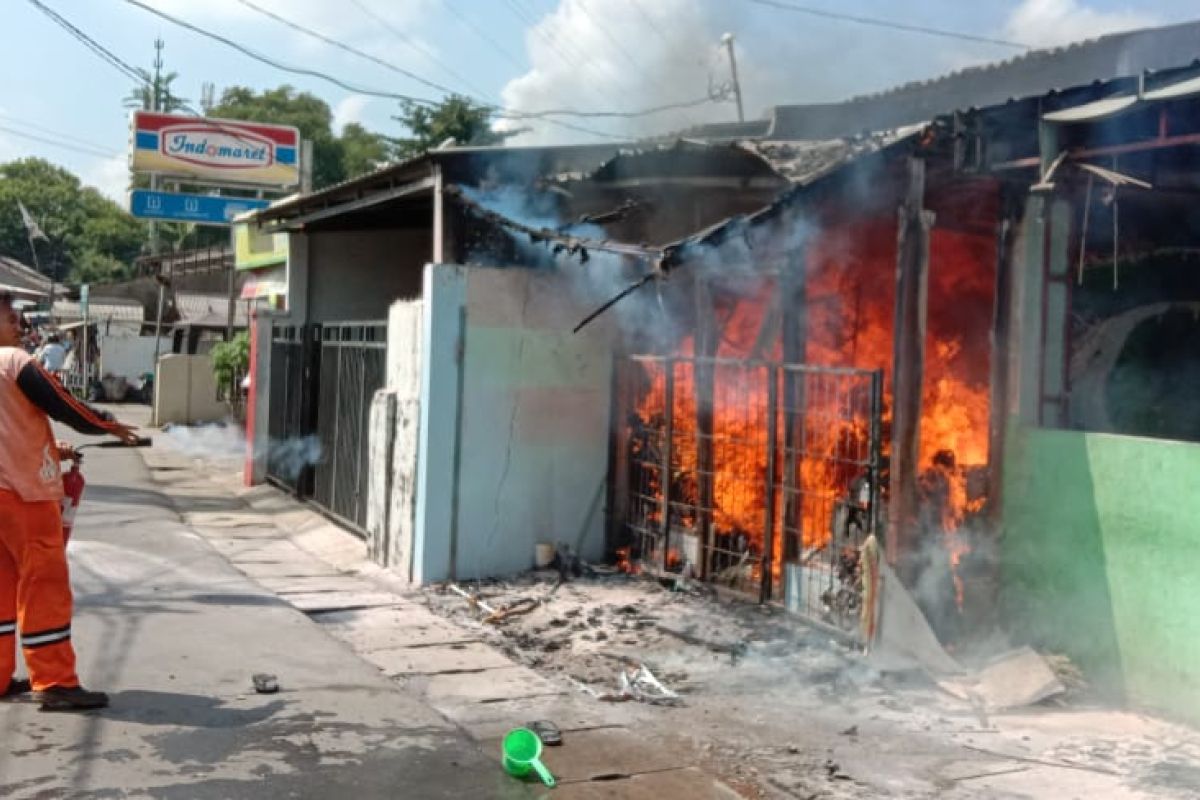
<point x="482" y="34"/>
<point x="415" y="45"/>
<point x="882" y="23"/>
<point x="94" y="151"/>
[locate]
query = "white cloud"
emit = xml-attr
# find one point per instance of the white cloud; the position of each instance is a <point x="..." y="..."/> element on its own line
<point x="348" y="110"/>
<point x="1046" y="23"/>
<point x="110" y="176"/>
<point x="635" y="54"/>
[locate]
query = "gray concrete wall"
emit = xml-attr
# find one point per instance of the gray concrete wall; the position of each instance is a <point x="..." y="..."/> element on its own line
<point x="395" y="417"/>
<point x="356" y="275"/>
<point x="514" y="422"/>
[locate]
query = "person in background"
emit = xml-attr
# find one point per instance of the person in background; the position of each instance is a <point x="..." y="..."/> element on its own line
<point x="53" y="356"/>
<point x="35" y="587"/>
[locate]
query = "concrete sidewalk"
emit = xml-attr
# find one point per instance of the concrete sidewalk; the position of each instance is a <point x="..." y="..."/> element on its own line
<point x="311" y="566"/>
<point x="174" y="633"/>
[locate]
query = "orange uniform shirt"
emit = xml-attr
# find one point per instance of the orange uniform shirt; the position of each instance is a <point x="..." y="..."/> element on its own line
<point x="28" y="455"/>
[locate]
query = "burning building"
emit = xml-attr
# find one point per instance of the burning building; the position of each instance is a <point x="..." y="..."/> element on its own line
<point x="758" y="363"/>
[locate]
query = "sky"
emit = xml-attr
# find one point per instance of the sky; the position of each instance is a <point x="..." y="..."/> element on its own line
<point x="522" y="55"/>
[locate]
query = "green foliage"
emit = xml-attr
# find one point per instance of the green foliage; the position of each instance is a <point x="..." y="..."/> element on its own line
<point x="460" y="118"/>
<point x="335" y="159"/>
<point x="286" y="106"/>
<point x="154" y="92"/>
<point x="363" y="151"/>
<point x="231" y="359"/>
<point x="86" y="231"/>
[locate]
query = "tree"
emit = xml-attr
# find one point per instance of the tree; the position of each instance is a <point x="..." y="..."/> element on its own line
<point x="458" y="117"/>
<point x="154" y="92"/>
<point x="86" y="232"/>
<point x="363" y="151"/>
<point x="286" y="106"/>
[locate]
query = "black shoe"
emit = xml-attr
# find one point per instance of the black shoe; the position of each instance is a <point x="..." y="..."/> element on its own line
<point x="70" y="698"/>
<point x="17" y="686"/>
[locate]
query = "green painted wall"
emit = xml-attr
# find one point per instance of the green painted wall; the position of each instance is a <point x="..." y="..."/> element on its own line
<point x="1102" y="559"/>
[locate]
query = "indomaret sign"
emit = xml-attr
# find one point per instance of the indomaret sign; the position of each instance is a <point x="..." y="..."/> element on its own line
<point x="215" y="149"/>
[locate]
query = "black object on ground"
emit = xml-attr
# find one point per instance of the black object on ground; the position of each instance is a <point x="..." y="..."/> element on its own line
<point x="265" y="683"/>
<point x="547" y="731"/>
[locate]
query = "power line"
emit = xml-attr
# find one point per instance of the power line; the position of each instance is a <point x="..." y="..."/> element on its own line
<point x="637" y="5"/>
<point x="415" y="45"/>
<point x="50" y="131"/>
<point x="88" y="42"/>
<point x="88" y="151"/>
<point x="343" y="46"/>
<point x="882" y="23"/>
<point x="277" y="64"/>
<point x="562" y="54"/>
<point x="482" y="34"/>
<point x="122" y="66"/>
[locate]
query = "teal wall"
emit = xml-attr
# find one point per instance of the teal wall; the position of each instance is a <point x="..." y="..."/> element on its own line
<point x="1102" y="559"/>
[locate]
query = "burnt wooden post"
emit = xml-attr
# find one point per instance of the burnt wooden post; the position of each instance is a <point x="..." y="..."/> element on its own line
<point x="795" y="337"/>
<point x="704" y="385"/>
<point x="908" y="370"/>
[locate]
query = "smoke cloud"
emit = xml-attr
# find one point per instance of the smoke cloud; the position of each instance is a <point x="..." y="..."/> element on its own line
<point x="1047" y="23"/>
<point x="634" y="54"/>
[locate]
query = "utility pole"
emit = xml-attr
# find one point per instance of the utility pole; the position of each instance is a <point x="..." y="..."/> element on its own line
<point x="160" y="279"/>
<point x="727" y="40"/>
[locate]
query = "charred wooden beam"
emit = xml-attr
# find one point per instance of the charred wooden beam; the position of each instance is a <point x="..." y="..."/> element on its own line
<point x="908" y="369"/>
<point x="795" y="342"/>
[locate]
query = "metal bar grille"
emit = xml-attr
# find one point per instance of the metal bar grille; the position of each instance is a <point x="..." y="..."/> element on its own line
<point x="292" y="382"/>
<point x="353" y="363"/>
<point x="793" y="461"/>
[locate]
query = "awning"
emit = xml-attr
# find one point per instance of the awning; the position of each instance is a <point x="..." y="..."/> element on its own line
<point x="1110" y="106"/>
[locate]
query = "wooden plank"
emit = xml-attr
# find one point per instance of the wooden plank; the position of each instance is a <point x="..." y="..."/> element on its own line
<point x="795" y="343"/>
<point x="708" y="336"/>
<point x="912" y="290"/>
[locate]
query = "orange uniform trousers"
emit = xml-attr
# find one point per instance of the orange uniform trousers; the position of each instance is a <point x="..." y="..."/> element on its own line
<point x="35" y="593"/>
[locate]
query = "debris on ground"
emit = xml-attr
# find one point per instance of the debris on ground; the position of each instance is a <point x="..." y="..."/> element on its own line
<point x="1013" y="680"/>
<point x="691" y="665"/>
<point x="640" y="685"/>
<point x="265" y="683"/>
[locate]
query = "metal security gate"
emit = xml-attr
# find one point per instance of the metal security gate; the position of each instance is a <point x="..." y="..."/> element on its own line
<point x="293" y="448"/>
<point x="352" y="366"/>
<point x="758" y="476"/>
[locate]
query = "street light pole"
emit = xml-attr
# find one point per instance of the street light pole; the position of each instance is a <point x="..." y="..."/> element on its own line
<point x="727" y="40"/>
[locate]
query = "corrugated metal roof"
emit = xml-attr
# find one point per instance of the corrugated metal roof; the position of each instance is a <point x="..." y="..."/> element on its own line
<point x="805" y="162"/>
<point x="17" y="278"/>
<point x="208" y="310"/>
<point x="114" y="310"/>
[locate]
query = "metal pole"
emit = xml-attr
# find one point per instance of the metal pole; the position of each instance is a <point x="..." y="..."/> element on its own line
<point x="232" y="288"/>
<point x="768" y="563"/>
<point x="83" y="359"/>
<point x="668" y="436"/>
<point x="727" y="40"/>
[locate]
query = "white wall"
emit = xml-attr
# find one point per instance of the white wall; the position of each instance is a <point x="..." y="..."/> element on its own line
<point x="395" y="414"/>
<point x="514" y="422"/>
<point x="129" y="357"/>
<point x="185" y="391"/>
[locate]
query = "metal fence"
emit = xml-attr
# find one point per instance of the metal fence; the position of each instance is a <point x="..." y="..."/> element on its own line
<point x="352" y="369"/>
<point x="759" y="476"/>
<point x="292" y="423"/>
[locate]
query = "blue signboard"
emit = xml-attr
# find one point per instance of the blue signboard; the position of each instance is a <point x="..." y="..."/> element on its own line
<point x="203" y="209"/>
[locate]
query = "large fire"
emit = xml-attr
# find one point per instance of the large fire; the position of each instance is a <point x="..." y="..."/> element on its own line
<point x="849" y="293"/>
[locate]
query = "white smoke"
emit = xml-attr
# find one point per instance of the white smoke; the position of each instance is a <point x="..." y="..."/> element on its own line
<point x="635" y="54"/>
<point x="1047" y="23"/>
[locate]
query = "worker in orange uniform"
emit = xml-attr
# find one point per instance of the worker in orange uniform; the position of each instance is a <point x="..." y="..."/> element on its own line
<point x="35" y="588"/>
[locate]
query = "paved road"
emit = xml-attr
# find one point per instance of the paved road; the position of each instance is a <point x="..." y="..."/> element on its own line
<point x="174" y="633"/>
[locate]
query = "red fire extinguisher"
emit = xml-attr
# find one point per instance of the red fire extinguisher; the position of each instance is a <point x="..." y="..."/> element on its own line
<point x="73" y="484"/>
